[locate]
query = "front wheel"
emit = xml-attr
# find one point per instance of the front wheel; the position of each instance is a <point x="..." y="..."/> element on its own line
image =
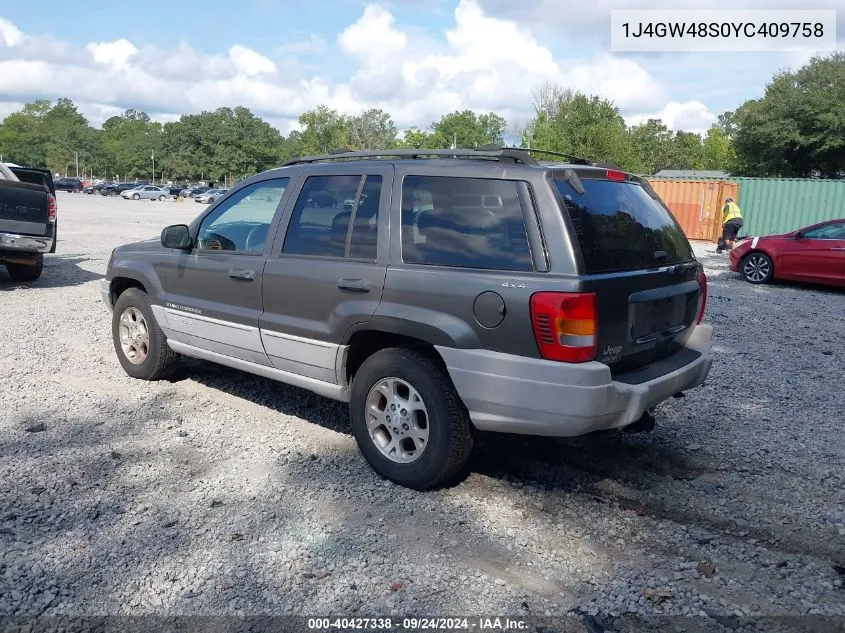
<point x="26" y="272"/>
<point x="140" y="344"/>
<point x="135" y="196"/>
<point x="161" y="198"/>
<point x="408" y="420"/>
<point x="757" y="268"/>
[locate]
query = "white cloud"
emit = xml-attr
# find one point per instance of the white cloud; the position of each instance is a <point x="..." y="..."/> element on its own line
<point x="373" y="37"/>
<point x="10" y="35"/>
<point x="691" y="116"/>
<point x="115" y="54"/>
<point x="483" y="62"/>
<point x="250" y="63"/>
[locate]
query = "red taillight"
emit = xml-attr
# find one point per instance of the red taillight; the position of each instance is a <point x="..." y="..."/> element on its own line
<point x="702" y="301"/>
<point x="51" y="215"/>
<point x="615" y="174"/>
<point x="565" y="325"/>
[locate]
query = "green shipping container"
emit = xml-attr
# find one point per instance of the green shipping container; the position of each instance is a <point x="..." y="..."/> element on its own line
<point x="778" y="205"/>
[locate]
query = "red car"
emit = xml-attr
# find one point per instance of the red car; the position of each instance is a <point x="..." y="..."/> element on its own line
<point x="814" y="254"/>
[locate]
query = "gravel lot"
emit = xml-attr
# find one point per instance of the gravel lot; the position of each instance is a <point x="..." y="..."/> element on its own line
<point x="223" y="493"/>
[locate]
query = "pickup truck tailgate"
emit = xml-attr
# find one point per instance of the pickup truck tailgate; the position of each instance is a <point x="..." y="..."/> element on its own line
<point x="24" y="208"/>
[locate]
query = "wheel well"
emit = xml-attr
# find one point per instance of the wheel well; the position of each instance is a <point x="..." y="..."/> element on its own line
<point x="119" y="285"/>
<point x="364" y="344"/>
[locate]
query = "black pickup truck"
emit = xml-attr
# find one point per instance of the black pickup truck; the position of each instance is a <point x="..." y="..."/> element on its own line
<point x="27" y="220"/>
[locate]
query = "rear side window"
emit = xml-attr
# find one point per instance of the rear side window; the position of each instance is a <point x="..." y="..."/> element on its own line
<point x="463" y="222"/>
<point x="619" y="226"/>
<point x="336" y="216"/>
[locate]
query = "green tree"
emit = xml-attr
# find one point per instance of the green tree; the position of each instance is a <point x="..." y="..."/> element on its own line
<point x="372" y="129"/>
<point x="798" y="127"/>
<point x="68" y="137"/>
<point x="23" y="136"/>
<point x="129" y="141"/>
<point x="718" y="151"/>
<point x="323" y="130"/>
<point x="419" y="139"/>
<point x="687" y="151"/>
<point x="592" y="127"/>
<point x="224" y="145"/>
<point x="466" y="129"/>
<point x="652" y="142"/>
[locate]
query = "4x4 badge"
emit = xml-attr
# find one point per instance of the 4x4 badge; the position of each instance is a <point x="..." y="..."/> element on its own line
<point x="508" y="284"/>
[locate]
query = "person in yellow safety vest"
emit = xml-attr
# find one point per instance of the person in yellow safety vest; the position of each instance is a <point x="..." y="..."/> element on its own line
<point x="731" y="224"/>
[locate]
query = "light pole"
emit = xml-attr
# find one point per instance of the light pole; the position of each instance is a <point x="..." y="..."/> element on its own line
<point x="76" y="160"/>
<point x="154" y="166"/>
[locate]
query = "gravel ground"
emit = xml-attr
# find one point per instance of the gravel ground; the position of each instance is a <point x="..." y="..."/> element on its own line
<point x="223" y="493"/>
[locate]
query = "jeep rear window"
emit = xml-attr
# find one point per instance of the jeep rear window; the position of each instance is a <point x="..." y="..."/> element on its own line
<point x="619" y="226"/>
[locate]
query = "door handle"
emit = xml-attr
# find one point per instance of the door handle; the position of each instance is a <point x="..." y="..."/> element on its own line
<point x="353" y="285"/>
<point x="246" y="274"/>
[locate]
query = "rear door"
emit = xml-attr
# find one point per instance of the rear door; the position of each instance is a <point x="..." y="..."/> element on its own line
<point x="327" y="269"/>
<point x="817" y="256"/>
<point x="637" y="260"/>
<point x="213" y="293"/>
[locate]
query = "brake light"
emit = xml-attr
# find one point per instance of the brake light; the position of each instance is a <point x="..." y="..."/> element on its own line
<point x="702" y="300"/>
<point x="565" y="325"/>
<point x="51" y="214"/>
<point x="615" y="174"/>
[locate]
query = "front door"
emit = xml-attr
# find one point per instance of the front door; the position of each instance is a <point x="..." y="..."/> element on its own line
<point x="213" y="293"/>
<point x="327" y="274"/>
<point x="818" y="255"/>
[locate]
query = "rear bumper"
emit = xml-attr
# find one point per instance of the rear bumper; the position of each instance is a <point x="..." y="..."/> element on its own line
<point x="25" y="243"/>
<point x="515" y="394"/>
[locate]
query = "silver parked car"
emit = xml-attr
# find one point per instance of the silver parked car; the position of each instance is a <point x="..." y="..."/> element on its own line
<point x="146" y="192"/>
<point x="210" y="196"/>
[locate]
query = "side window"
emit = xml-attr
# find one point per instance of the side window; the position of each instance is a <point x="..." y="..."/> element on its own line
<point x="241" y="223"/>
<point x="327" y="208"/>
<point x="464" y="222"/>
<point x="833" y="231"/>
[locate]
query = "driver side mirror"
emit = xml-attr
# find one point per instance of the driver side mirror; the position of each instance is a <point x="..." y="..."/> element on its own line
<point x="176" y="236"/>
<point x="799" y="235"/>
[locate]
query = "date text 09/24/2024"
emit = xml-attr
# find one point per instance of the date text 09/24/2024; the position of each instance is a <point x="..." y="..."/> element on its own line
<point x="418" y="624"/>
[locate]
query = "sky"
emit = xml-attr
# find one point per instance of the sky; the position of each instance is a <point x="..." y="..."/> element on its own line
<point x="416" y="59"/>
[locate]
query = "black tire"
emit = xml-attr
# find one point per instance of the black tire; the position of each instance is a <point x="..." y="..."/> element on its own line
<point x="161" y="198"/>
<point x="55" y="238"/>
<point x="135" y="196"/>
<point x="112" y="193"/>
<point x="161" y="361"/>
<point x="450" y="434"/>
<point x="757" y="268"/>
<point x="26" y="272"/>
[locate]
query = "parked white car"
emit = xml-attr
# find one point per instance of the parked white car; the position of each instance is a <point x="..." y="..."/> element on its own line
<point x="210" y="196"/>
<point x="146" y="192"/>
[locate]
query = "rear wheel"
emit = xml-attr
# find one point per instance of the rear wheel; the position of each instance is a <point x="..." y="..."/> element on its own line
<point x="161" y="198"/>
<point x="408" y="420"/>
<point x="140" y="344"/>
<point x="112" y="193"/>
<point x="26" y="272"/>
<point x="757" y="268"/>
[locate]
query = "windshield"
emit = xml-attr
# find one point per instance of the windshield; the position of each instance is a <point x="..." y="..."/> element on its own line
<point x="619" y="226"/>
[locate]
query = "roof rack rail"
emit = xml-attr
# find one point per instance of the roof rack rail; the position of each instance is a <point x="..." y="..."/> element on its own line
<point x="577" y="160"/>
<point x="487" y="152"/>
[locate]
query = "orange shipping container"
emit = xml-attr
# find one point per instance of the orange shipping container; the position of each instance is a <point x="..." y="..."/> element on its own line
<point x="697" y="204"/>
